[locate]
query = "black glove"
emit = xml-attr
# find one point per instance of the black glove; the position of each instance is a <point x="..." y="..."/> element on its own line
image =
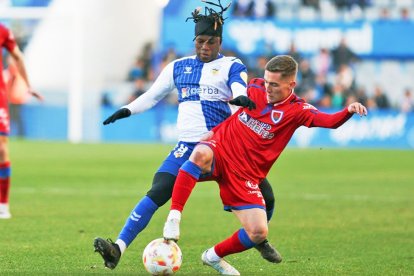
<point x="121" y="113"/>
<point x="244" y="102"/>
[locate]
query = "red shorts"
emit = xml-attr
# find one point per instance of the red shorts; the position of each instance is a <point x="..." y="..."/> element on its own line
<point x="4" y="114"/>
<point x="236" y="192"/>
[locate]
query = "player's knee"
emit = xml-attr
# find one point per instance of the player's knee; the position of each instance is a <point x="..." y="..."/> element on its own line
<point x="161" y="189"/>
<point x="257" y="234"/>
<point x="202" y="156"/>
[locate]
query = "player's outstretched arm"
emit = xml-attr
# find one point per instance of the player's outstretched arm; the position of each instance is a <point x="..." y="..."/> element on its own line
<point x="243" y="101"/>
<point x="357" y="108"/>
<point x="119" y="114"/>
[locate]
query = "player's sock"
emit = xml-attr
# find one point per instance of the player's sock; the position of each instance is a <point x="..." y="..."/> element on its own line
<point x="238" y="242"/>
<point x="4" y="182"/>
<point x="138" y="220"/>
<point x="186" y="180"/>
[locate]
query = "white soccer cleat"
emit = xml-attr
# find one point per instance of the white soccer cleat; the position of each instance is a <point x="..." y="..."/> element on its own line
<point x="223" y="267"/>
<point x="4" y="211"/>
<point x="172" y="226"/>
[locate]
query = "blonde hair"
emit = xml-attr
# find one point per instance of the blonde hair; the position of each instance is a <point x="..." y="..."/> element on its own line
<point x="283" y="64"/>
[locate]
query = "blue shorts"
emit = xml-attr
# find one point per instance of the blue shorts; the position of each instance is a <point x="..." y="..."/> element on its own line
<point x="177" y="157"/>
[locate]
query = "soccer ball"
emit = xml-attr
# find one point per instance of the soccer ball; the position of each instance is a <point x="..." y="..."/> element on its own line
<point x="162" y="257"/>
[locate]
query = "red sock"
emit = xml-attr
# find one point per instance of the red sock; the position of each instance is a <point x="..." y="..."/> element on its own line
<point x="230" y="246"/>
<point x="183" y="186"/>
<point x="4" y="182"/>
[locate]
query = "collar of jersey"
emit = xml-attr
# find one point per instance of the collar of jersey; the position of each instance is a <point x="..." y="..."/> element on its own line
<point x="285" y="100"/>
<point x="218" y="57"/>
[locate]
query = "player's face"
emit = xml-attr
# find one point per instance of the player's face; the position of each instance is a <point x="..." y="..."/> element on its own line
<point x="278" y="88"/>
<point x="207" y="47"/>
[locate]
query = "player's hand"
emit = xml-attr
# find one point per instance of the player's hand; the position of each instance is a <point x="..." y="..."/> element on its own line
<point x="119" y="114"/>
<point x="36" y="95"/>
<point x="357" y="108"/>
<point x="243" y="101"/>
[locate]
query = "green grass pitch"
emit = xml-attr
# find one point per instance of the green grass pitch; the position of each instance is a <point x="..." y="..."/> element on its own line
<point x="339" y="211"/>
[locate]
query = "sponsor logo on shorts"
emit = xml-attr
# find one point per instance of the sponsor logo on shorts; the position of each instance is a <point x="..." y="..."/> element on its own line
<point x="180" y="151"/>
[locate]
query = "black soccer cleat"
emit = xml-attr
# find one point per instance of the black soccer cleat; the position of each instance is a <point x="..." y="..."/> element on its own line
<point x="268" y="252"/>
<point x="109" y="251"/>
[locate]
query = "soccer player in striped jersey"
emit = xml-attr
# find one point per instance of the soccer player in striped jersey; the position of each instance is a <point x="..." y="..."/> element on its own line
<point x="243" y="149"/>
<point x="208" y="84"/>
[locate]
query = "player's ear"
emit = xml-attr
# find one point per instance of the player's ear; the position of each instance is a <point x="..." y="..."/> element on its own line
<point x="292" y="84"/>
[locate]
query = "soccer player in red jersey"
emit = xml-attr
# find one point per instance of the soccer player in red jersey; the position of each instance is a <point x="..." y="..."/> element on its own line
<point x="8" y="42"/>
<point x="239" y="153"/>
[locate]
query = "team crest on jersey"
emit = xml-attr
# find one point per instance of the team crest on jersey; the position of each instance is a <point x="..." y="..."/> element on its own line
<point x="184" y="92"/>
<point x="215" y="71"/>
<point x="188" y="70"/>
<point x="276" y="116"/>
<point x="180" y="151"/>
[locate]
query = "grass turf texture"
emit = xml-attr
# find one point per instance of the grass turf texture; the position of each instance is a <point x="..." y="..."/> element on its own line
<point x="339" y="211"/>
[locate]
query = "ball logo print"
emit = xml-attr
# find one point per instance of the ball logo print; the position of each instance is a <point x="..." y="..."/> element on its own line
<point x="162" y="257"/>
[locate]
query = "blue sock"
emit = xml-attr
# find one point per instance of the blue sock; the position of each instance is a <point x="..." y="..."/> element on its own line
<point x="138" y="220"/>
<point x="244" y="239"/>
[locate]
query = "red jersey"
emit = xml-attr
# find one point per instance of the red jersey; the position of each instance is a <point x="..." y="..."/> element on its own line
<point x="6" y="41"/>
<point x="252" y="140"/>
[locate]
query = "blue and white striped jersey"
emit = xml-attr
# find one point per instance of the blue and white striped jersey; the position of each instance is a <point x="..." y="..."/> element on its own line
<point x="204" y="90"/>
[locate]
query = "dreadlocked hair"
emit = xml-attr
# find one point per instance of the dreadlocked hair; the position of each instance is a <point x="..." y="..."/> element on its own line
<point x="210" y="13"/>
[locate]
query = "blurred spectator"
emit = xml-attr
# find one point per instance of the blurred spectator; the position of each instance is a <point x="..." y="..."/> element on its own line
<point x="259" y="67"/>
<point x="361" y="95"/>
<point x="306" y="78"/>
<point x="371" y="104"/>
<point x="146" y="57"/>
<point x="345" y="77"/>
<point x="384" y="14"/>
<point x="322" y="89"/>
<point x="106" y="100"/>
<point x="137" y="70"/>
<point x="243" y="8"/>
<point x="311" y="3"/>
<point x="405" y="14"/>
<point x="380" y="99"/>
<point x="169" y="56"/>
<point x="321" y="62"/>
<point x="17" y="95"/>
<point x="325" y="102"/>
<point x="263" y="8"/>
<point x="139" y="89"/>
<point x="342" y="4"/>
<point x="256" y="8"/>
<point x="342" y="55"/>
<point x="338" y="96"/>
<point x="407" y="102"/>
<point x="293" y="52"/>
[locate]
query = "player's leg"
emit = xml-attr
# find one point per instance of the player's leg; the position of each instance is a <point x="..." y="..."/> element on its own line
<point x="142" y="213"/>
<point x="4" y="178"/>
<point x="199" y="162"/>
<point x="267" y="251"/>
<point x="139" y="218"/>
<point x="254" y="231"/>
